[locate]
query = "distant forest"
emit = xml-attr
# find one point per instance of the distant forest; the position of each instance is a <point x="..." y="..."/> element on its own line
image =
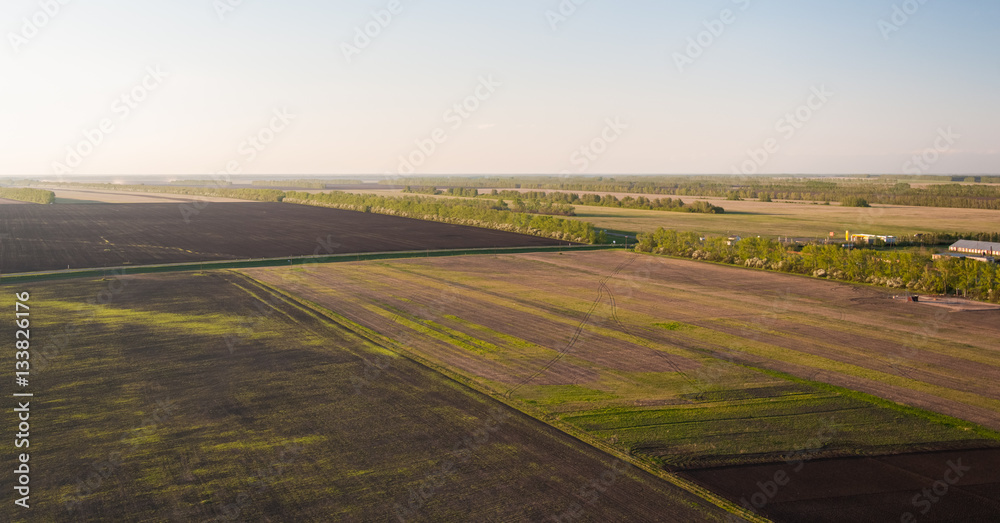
<point x="941" y="191"/>
<point x="562" y="202"/>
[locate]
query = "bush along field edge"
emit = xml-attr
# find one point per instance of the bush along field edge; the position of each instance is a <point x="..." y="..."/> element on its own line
<point x="40" y="196"/>
<point x="907" y="271"/>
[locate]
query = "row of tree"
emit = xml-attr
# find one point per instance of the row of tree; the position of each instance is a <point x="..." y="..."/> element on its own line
<point x="947" y="238"/>
<point x="609" y="200"/>
<point x="203" y="183"/>
<point x="560" y="202"/>
<point x="28" y="195"/>
<point x="883" y="190"/>
<point x="901" y="270"/>
<point x="304" y="184"/>
<point x="479" y="213"/>
<point x="519" y="204"/>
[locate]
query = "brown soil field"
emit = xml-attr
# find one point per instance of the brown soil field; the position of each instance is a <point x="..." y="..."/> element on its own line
<point x="52" y="237"/>
<point x="205" y="397"/>
<point x="4" y="201"/>
<point x="948" y="486"/>
<point x="97" y="196"/>
<point x="850" y="336"/>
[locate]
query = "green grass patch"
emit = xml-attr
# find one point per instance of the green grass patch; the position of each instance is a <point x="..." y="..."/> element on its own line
<point x="674" y="326"/>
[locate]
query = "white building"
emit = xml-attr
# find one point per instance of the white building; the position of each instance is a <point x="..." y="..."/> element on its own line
<point x="976" y="248"/>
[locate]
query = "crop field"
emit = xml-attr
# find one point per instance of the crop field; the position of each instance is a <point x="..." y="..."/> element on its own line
<point x="223" y="401"/>
<point x="685" y="366"/>
<point x="779" y="218"/>
<point x="54" y="237"/>
<point x="752" y="218"/>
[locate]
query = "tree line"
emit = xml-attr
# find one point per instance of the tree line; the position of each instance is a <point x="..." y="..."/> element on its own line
<point x="28" y="195"/>
<point x="478" y="213"/>
<point x="304" y="184"/>
<point x="560" y="202"/>
<point x="890" y="190"/>
<point x="899" y="270"/>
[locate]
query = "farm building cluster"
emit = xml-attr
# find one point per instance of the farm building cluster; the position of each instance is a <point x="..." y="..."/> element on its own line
<point x="973" y="250"/>
<point x="872" y="239"/>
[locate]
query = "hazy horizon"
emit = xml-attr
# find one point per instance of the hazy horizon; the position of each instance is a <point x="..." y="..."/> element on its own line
<point x="441" y="88"/>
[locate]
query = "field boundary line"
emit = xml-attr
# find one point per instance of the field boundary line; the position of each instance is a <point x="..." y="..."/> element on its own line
<point x="284" y="261"/>
<point x="388" y="344"/>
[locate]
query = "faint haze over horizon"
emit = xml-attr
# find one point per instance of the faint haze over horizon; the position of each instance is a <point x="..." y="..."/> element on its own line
<point x="532" y="87"/>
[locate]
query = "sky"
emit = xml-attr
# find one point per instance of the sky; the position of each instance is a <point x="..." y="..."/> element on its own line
<point x="421" y="87"/>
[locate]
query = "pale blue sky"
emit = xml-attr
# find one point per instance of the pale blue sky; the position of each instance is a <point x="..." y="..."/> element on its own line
<point x="892" y="98"/>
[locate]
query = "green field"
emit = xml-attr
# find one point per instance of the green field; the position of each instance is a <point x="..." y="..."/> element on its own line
<point x="222" y="401"/>
<point x="679" y="375"/>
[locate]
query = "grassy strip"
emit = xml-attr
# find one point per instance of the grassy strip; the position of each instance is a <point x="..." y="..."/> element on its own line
<point x="934" y="417"/>
<point x="281" y="262"/>
<point x="781" y="354"/>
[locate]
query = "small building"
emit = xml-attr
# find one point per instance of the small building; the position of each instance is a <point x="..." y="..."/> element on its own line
<point x="960" y="256"/>
<point x="976" y="248"/>
<point x="872" y="239"/>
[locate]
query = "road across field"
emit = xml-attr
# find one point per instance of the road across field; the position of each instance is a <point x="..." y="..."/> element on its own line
<point x="54" y="237"/>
